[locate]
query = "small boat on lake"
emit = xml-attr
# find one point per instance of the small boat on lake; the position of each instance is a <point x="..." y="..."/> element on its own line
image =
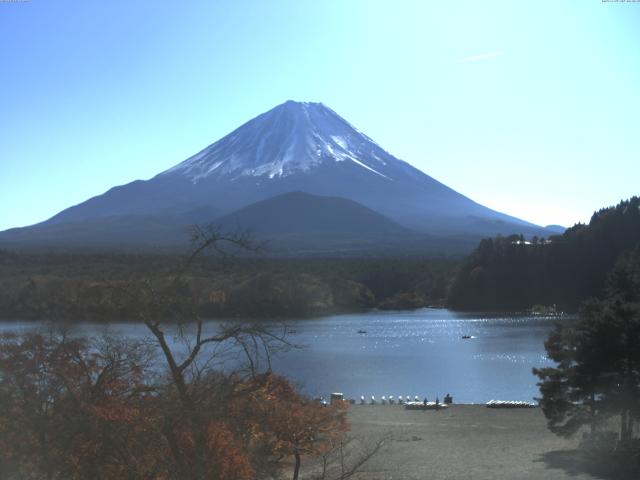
<point x="362" y="332"/>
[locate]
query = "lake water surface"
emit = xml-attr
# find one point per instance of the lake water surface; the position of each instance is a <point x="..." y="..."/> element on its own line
<point x="403" y="353"/>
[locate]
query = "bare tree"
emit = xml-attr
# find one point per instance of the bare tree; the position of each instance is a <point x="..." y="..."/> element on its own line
<point x="190" y="348"/>
<point x="348" y="456"/>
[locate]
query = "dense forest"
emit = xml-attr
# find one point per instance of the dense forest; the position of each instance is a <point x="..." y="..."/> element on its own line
<point x="511" y="273"/>
<point x="85" y="287"/>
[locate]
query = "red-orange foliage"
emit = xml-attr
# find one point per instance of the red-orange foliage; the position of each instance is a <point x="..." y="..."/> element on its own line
<point x="75" y="409"/>
<point x="228" y="459"/>
<point x="289" y="424"/>
<point x="68" y="408"/>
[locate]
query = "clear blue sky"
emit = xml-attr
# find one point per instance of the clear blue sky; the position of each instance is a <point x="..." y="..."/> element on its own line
<point x="531" y="108"/>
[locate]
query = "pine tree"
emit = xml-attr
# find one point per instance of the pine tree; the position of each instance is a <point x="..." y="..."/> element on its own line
<point x="597" y="375"/>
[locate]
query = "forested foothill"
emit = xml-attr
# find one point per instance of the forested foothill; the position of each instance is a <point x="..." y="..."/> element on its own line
<point x="510" y="273"/>
<point x="515" y="273"/>
<point x="84" y="287"/>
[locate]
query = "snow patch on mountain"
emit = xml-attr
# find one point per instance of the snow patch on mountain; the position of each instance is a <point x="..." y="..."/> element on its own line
<point x="292" y="138"/>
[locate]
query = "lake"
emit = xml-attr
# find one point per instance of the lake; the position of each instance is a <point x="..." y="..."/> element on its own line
<point x="421" y="352"/>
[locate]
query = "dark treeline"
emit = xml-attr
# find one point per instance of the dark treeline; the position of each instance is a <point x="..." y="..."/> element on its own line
<point x="34" y="286"/>
<point x="509" y="273"/>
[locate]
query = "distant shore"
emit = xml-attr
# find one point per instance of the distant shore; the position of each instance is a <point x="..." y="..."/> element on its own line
<point x="465" y="442"/>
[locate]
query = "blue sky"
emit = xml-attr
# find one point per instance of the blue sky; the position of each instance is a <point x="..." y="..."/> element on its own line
<point x="530" y="108"/>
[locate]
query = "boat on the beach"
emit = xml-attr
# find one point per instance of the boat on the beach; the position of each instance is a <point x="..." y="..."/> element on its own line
<point x="509" y="404"/>
<point x="424" y="406"/>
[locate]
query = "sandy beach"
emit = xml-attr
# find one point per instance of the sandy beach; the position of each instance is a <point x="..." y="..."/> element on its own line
<point x="466" y="442"/>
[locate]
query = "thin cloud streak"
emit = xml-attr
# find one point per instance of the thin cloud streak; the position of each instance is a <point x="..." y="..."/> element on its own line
<point x="481" y="57"/>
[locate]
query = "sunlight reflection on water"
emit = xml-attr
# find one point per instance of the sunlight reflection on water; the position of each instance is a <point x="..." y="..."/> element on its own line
<point x="421" y="352"/>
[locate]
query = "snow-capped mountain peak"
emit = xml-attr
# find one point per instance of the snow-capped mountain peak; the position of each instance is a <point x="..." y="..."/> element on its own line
<point x="305" y="148"/>
<point x="294" y="137"/>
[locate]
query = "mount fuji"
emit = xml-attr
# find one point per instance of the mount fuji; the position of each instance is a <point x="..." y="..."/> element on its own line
<point x="295" y="147"/>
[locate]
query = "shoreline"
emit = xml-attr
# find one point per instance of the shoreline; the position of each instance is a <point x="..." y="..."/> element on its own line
<point x="465" y="442"/>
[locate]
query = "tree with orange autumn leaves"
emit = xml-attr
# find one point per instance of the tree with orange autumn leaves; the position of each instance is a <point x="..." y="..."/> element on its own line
<point x="77" y="409"/>
<point x="71" y="409"/>
<point x="288" y="424"/>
